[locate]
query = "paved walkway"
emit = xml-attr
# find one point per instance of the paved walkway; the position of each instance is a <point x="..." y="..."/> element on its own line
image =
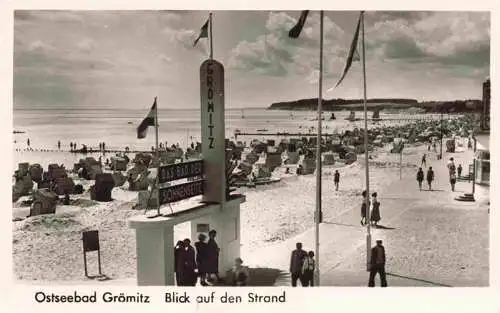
<point x="430" y="238"/>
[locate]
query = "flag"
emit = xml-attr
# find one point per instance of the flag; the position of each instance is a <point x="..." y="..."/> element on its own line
<point x="149" y="120"/>
<point x="295" y="31"/>
<point x="353" y="52"/>
<point x="203" y="32"/>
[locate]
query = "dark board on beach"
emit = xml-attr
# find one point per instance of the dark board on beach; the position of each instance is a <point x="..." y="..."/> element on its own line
<point x="181" y="192"/>
<point x="180" y="170"/>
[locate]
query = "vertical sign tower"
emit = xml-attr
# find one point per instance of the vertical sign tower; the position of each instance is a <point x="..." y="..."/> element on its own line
<point x="213" y="146"/>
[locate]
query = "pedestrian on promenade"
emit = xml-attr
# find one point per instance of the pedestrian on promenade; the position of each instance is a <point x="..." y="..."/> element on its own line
<point x="459" y="170"/>
<point x="296" y="262"/>
<point x="451" y="166"/>
<point x="375" y="215"/>
<point x="212" y="255"/>
<point x="336" y="179"/>
<point x="240" y="273"/>
<point x="420" y="178"/>
<point x="177" y="269"/>
<point x="59" y="144"/>
<point x="363" y="209"/>
<point x="28" y="142"/>
<point x="201" y="258"/>
<point x="308" y="266"/>
<point x="430" y="177"/>
<point x="424" y="162"/>
<point x="453" y="180"/>
<point x="377" y="265"/>
<point x="434" y="146"/>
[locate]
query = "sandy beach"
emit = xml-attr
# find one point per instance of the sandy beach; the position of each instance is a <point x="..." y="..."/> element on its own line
<point x="48" y="247"/>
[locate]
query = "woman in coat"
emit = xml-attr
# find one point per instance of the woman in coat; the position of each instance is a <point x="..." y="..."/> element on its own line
<point x="420" y="177"/>
<point x="212" y="255"/>
<point x="375" y="216"/>
<point x="201" y="258"/>
<point x="430" y="177"/>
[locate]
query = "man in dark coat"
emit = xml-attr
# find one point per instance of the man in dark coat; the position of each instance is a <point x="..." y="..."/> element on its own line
<point x="377" y="265"/>
<point x="201" y="258"/>
<point x="296" y="262"/>
<point x="187" y="264"/>
<point x="212" y="255"/>
<point x="177" y="249"/>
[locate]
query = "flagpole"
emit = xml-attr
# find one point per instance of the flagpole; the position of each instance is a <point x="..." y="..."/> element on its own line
<point x="157" y="181"/>
<point x="367" y="172"/>
<point x="319" y="214"/>
<point x="211" y="38"/>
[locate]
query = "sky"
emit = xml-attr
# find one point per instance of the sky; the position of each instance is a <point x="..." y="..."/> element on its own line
<point x="123" y="59"/>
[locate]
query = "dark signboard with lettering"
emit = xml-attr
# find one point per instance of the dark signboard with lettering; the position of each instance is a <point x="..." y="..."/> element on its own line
<point x="180" y="170"/>
<point x="181" y="191"/>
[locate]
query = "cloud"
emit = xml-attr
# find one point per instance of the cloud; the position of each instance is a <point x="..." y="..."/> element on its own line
<point x="39" y="46"/>
<point x="436" y="36"/>
<point x="418" y="38"/>
<point x="275" y="54"/>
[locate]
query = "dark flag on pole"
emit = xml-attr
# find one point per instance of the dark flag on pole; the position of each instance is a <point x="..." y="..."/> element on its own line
<point x="295" y="31"/>
<point x="149" y="120"/>
<point x="203" y="32"/>
<point x="353" y="53"/>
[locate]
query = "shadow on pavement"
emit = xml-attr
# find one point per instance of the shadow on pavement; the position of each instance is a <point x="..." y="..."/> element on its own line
<point x="417" y="279"/>
<point x="260" y="276"/>
<point x="342" y="224"/>
<point x="441" y="190"/>
<point x="383" y="227"/>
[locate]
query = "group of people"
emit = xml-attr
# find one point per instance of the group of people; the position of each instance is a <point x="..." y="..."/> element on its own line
<point x="452" y="171"/>
<point x="375" y="210"/>
<point x="302" y="266"/>
<point x="203" y="262"/>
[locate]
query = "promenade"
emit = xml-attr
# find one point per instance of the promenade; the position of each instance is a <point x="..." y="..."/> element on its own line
<point x="430" y="238"/>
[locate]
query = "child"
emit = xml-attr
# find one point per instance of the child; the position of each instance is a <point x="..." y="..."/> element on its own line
<point x="308" y="270"/>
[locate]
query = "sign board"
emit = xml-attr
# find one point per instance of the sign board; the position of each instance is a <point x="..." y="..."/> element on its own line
<point x="213" y="130"/>
<point x="90" y="240"/>
<point x="180" y="170"/>
<point x="181" y="191"/>
<point x="202" y="228"/>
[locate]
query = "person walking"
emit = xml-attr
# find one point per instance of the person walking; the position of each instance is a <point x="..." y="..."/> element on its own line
<point x="296" y="261"/>
<point x="363" y="209"/>
<point x="377" y="265"/>
<point x="420" y="178"/>
<point x="201" y="258"/>
<point x="308" y="267"/>
<point x="430" y="177"/>
<point x="424" y="161"/>
<point x="28" y="142"/>
<point x="336" y="180"/>
<point x="177" y="268"/>
<point x="453" y="180"/>
<point x="59" y="144"/>
<point x="375" y="216"/>
<point x="459" y="170"/>
<point x="212" y="255"/>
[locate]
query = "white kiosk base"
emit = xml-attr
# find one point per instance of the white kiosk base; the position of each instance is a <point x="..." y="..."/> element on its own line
<point x="155" y="238"/>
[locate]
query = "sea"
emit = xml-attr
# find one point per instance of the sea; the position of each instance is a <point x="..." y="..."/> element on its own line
<point x="117" y="128"/>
